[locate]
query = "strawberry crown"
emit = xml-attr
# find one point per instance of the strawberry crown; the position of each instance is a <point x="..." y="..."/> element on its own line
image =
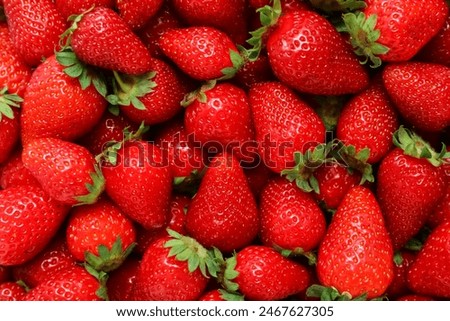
<point x="338" y="5"/>
<point x="325" y="293"/>
<point x="7" y="102"/>
<point x="95" y="188"/>
<point x="297" y="252"/>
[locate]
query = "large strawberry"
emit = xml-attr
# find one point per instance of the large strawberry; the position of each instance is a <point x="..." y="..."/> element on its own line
<point x="356" y="255"/>
<point x="52" y="92"/>
<point x="66" y="171"/>
<point x="410" y="183"/>
<point x="284" y="124"/>
<point x="26" y="230"/>
<point x="75" y="7"/>
<point x="136" y="13"/>
<point x="429" y="274"/>
<point x="223" y="213"/>
<point x="418" y="90"/>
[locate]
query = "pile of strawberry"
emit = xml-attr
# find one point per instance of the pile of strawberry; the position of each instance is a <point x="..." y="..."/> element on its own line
<point x="224" y="150"/>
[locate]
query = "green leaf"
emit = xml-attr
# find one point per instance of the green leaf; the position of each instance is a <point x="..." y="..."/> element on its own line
<point x="398" y="258"/>
<point x="95" y="188"/>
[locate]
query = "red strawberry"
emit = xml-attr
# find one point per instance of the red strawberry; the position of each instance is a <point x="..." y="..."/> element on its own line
<point x="101" y="38"/>
<point x="66" y="171"/>
<point x="290" y="218"/>
<point x="136" y="13"/>
<point x="140" y="183"/>
<point x="100" y="227"/>
<point x="15" y="174"/>
<point x="184" y="284"/>
<point x="75" y="7"/>
<point x="418" y="90"/>
<point x="415" y="297"/>
<point x="253" y="72"/>
<point x="410" y="184"/>
<point x="9" y="123"/>
<point x="284" y="124"/>
<point x="368" y="121"/>
<point x="35" y="22"/>
<point x="435" y="281"/>
<point x="286" y="5"/>
<point x="73" y="284"/>
<point x="261" y="273"/>
<point x="223" y="213"/>
<point x="220" y="295"/>
<point x="11" y="291"/>
<point x="399" y="285"/>
<point x="257" y="176"/>
<point x="442" y="211"/>
<point x="52" y="92"/>
<point x="307" y="53"/>
<point x="437" y="50"/>
<point x="203" y="53"/>
<point x="26" y="230"/>
<point x="221" y="115"/>
<point x="356" y="255"/>
<point x="121" y="281"/>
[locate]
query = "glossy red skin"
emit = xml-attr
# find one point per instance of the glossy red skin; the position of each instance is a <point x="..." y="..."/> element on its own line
<point x="51" y="92"/>
<point x="137" y="13"/>
<point x="415" y="297"/>
<point x="121" y="281"/>
<point x="286" y="5"/>
<point x="290" y="218"/>
<point x="226" y="15"/>
<point x="98" y="224"/>
<point x="254" y="72"/>
<point x="52" y="260"/>
<point x="153" y="284"/>
<point x="14" y="73"/>
<point x="225" y="118"/>
<point x="437" y="50"/>
<point x="308" y="54"/>
<point x="257" y="177"/>
<point x="429" y="274"/>
<point x="368" y="121"/>
<point x="140" y="184"/>
<point x="104" y="40"/>
<point x="14" y="173"/>
<point x="403" y="26"/>
<point x="163" y="103"/>
<point x="73" y="7"/>
<point x="418" y="90"/>
<point x="356" y="255"/>
<point x="334" y="183"/>
<point x="11" y="291"/>
<point x="200" y="52"/>
<point x="408" y="190"/>
<point x="34" y="22"/>
<point x="266" y="275"/>
<point x="26" y="230"/>
<point x="290" y="124"/>
<point x="441" y="213"/>
<point x="74" y="284"/>
<point x="213" y="295"/>
<point x="399" y="285"/>
<point x="62" y="168"/>
<point x="9" y="135"/>
<point x="223" y="213"/>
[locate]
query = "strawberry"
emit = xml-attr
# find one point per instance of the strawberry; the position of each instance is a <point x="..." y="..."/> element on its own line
<point x="203" y="53"/>
<point x="415" y="297"/>
<point x="368" y="120"/>
<point x="100" y="234"/>
<point x="136" y="13"/>
<point x="26" y="230"/>
<point x="261" y="273"/>
<point x="140" y="183"/>
<point x="101" y="38"/>
<point x="226" y="15"/>
<point x="410" y="183"/>
<point x="418" y="90"/>
<point x="49" y="93"/>
<point x="223" y="213"/>
<point x="253" y="72"/>
<point x="286" y="5"/>
<point x="399" y="285"/>
<point x="283" y="123"/>
<point x="356" y="255"/>
<point x="221" y="115"/>
<point x="394" y="30"/>
<point x="121" y="281"/>
<point x="75" y="7"/>
<point x="34" y="22"/>
<point x="66" y="171"/>
<point x="15" y="174"/>
<point x="290" y="217"/>
<point x="73" y="284"/>
<point x="220" y="295"/>
<point x="432" y="281"/>
<point x="437" y="50"/>
<point x="9" y="123"/>
<point x="257" y="176"/>
<point x="442" y="211"/>
<point x="11" y="291"/>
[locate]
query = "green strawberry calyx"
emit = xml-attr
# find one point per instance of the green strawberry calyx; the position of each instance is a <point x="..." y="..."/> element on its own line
<point x="229" y="296"/>
<point x="227" y="272"/>
<point x="102" y="278"/>
<point x="237" y="60"/>
<point x="95" y="188"/>
<point x="413" y="145"/>
<point x="198" y="94"/>
<point x="338" y="5"/>
<point x="364" y="36"/>
<point x="297" y="252"/>
<point x="189" y="185"/>
<point x="187" y="249"/>
<point x="329" y="293"/>
<point x="329" y="109"/>
<point x="7" y="102"/>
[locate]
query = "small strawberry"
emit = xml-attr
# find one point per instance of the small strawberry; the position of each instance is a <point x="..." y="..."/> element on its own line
<point x="356" y="255"/>
<point x="137" y="13"/>
<point x="410" y="183"/>
<point x="14" y="173"/>
<point x="100" y="234"/>
<point x="399" y="285"/>
<point x="66" y="171"/>
<point x="223" y="213"/>
<point x="120" y="282"/>
<point x="290" y="217"/>
<point x="433" y="281"/>
<point x="26" y="230"/>
<point x="11" y="291"/>
<point x="68" y="8"/>
<point x="9" y="123"/>
<point x="203" y="53"/>
<point x="35" y="22"/>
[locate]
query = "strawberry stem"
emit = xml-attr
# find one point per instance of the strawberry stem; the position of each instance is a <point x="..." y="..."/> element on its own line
<point x="95" y="188"/>
<point x="7" y="101"/>
<point x="347" y="155"/>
